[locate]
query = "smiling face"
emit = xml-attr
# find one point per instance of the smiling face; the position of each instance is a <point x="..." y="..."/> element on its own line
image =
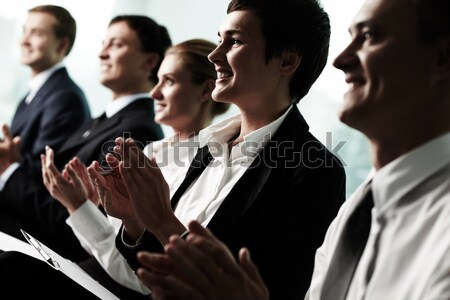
<point x="386" y="67"/>
<point x="124" y="66"/>
<point x="243" y="75"/>
<point x="40" y="49"/>
<point x="177" y="98"/>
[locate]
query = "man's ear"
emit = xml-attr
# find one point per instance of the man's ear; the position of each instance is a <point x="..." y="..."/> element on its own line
<point x="151" y="61"/>
<point x="290" y="61"/>
<point x="442" y="64"/>
<point x="63" y="46"/>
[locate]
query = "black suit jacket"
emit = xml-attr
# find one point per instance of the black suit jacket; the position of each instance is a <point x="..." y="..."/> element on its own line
<point x="25" y="202"/>
<point x="57" y="110"/>
<point x="280" y="209"/>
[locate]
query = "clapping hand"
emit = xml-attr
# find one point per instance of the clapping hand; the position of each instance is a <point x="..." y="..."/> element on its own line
<point x="111" y="189"/>
<point x="9" y="149"/>
<point x="72" y="187"/>
<point x="200" y="267"/>
<point x="148" y="190"/>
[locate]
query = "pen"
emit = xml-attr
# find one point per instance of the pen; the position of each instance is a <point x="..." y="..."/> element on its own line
<point x="106" y="172"/>
<point x="41" y="251"/>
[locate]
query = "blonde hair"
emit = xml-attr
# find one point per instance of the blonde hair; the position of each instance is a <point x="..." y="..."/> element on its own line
<point x="195" y="53"/>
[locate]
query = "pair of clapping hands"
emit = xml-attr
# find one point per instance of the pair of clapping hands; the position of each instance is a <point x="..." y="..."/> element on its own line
<point x="134" y="190"/>
<point x="200" y="267"/>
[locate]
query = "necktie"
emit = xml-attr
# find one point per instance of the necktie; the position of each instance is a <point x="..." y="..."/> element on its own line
<point x="349" y="249"/>
<point x="198" y="165"/>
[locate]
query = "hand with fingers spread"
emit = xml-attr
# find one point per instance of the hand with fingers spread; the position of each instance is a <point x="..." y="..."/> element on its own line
<point x="70" y="187"/>
<point x="200" y="267"/>
<point x="148" y="190"/>
<point x="9" y="149"/>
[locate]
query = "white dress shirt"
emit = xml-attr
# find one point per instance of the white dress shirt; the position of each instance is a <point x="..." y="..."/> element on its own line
<point x="409" y="238"/>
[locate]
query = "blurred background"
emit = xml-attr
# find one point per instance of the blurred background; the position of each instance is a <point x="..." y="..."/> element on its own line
<point x="185" y="19"/>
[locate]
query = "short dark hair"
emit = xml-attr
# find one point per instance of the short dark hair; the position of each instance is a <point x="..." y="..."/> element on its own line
<point x="153" y="37"/>
<point x="65" y="27"/>
<point x="433" y="18"/>
<point x="195" y="53"/>
<point x="301" y="26"/>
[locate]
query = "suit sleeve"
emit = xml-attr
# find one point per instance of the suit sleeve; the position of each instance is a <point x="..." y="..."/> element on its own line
<point x="148" y="242"/>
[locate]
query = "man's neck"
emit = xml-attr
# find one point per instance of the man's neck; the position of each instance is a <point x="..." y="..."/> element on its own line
<point x="385" y="150"/>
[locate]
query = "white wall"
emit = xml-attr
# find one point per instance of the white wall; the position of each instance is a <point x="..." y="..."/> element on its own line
<point x="184" y="19"/>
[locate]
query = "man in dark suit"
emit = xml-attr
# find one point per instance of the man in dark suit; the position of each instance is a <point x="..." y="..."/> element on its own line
<point x="55" y="106"/>
<point x="129" y="71"/>
<point x="266" y="179"/>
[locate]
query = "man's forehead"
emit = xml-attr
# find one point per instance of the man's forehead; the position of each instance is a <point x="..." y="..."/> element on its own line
<point x="41" y="22"/>
<point x="374" y="12"/>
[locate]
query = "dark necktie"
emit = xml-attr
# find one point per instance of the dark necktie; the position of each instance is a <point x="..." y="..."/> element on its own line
<point x="198" y="165"/>
<point x="349" y="249"/>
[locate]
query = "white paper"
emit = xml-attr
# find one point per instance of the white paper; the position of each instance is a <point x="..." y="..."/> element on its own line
<point x="10" y="243"/>
<point x="77" y="274"/>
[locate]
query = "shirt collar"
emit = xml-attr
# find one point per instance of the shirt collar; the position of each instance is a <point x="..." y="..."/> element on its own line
<point x="402" y="175"/>
<point x="38" y="81"/>
<point x="119" y="103"/>
<point x="264" y="134"/>
<point x="222" y="132"/>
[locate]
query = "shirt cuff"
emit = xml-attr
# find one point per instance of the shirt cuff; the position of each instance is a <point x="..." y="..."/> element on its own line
<point x="126" y="241"/>
<point x="184" y="234"/>
<point x="90" y="222"/>
<point x="7" y="174"/>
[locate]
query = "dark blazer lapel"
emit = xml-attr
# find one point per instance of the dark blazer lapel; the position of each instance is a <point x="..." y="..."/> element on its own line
<point x="244" y="193"/>
<point x="90" y="132"/>
<point x="240" y="197"/>
<point x="50" y="85"/>
<point x="36" y="105"/>
<point x="102" y="127"/>
<point x="127" y="112"/>
<point x="20" y="117"/>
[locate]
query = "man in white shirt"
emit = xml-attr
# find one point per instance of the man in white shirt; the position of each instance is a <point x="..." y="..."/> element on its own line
<point x="398" y="70"/>
<point x="397" y="66"/>
<point x="54" y="106"/>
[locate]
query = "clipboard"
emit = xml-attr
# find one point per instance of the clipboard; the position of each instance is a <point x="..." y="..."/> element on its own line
<point x="69" y="269"/>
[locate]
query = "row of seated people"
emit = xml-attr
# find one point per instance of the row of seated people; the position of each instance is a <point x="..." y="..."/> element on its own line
<point x="260" y="182"/>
